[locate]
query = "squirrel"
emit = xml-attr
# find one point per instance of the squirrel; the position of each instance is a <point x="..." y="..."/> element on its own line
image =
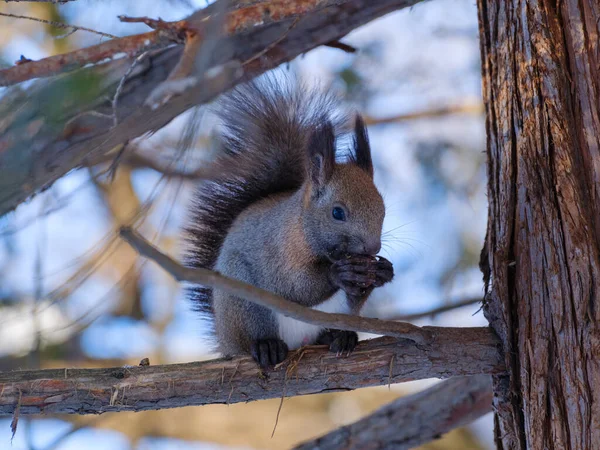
<point x="283" y="215"/>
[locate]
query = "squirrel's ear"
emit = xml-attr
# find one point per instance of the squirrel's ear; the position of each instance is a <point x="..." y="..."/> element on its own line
<point x="321" y="152"/>
<point x="362" y="148"/>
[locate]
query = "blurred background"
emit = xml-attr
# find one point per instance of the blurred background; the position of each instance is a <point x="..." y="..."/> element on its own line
<point x="73" y="295"/>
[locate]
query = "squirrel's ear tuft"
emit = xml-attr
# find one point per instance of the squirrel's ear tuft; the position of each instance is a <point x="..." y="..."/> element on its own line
<point x="362" y="148"/>
<point x="321" y="151"/>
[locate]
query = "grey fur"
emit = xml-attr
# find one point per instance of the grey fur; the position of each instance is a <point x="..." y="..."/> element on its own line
<point x="266" y="219"/>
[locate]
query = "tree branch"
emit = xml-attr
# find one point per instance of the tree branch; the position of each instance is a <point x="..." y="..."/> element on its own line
<point x="55" y="127"/>
<point x="59" y="25"/>
<point x="272" y="301"/>
<point x="466" y="108"/>
<point x="414" y="420"/>
<point x="375" y="362"/>
<point x="442" y="309"/>
<point x="239" y="18"/>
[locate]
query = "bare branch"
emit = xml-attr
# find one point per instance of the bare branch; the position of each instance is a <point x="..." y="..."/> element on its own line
<point x="137" y="160"/>
<point x="414" y="420"/>
<point x="457" y="352"/>
<point x="238" y="20"/>
<point x="52" y="129"/>
<point x="65" y="26"/>
<point x="440" y="310"/>
<point x="276" y="303"/>
<point x="465" y="108"/>
<point x="54" y="65"/>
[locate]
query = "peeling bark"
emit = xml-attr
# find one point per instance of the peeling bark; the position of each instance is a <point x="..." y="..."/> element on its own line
<point x="311" y="370"/>
<point x="541" y="78"/>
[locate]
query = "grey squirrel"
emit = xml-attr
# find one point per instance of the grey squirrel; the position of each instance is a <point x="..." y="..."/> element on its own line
<point x="283" y="215"/>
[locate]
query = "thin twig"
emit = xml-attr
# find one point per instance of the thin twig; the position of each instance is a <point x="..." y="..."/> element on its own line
<point x="155" y="24"/>
<point x="466" y="108"/>
<point x="274" y="302"/>
<point x="341" y="46"/>
<point x="74" y="28"/>
<point x="280" y="405"/>
<point x="115" y="99"/>
<point x="15" y="419"/>
<point x="272" y="44"/>
<point x="231" y="384"/>
<point x="440" y="310"/>
<point x="136" y="160"/>
<point x="292" y="365"/>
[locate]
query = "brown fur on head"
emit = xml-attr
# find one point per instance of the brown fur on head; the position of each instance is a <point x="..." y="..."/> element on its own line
<point x="342" y="207"/>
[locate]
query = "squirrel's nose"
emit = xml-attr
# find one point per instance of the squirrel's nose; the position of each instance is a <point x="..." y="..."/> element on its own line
<point x="372" y="246"/>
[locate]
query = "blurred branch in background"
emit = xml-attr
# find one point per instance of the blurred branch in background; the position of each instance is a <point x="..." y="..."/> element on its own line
<point x="65" y="26"/>
<point x="57" y="129"/>
<point x="416" y="419"/>
<point x="309" y="370"/>
<point x="436" y="311"/>
<point x="123" y="204"/>
<point x="471" y="108"/>
<point x="40" y="1"/>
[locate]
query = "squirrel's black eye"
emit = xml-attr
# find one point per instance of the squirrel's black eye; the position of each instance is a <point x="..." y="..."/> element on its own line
<point x="338" y="213"/>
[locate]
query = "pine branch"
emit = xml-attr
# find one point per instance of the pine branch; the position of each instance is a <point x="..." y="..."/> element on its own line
<point x="414" y="420"/>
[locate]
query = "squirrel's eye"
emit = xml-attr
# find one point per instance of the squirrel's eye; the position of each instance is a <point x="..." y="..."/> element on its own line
<point x="338" y="213"/>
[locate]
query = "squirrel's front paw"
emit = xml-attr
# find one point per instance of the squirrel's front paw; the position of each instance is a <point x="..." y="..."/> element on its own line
<point x="340" y="341"/>
<point x="384" y="271"/>
<point x="268" y="352"/>
<point x="356" y="274"/>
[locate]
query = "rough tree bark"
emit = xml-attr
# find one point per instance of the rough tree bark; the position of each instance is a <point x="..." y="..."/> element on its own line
<point x="312" y="370"/>
<point x="542" y="256"/>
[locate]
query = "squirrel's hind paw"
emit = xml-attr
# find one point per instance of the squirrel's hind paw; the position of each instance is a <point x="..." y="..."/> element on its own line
<point x="268" y="352"/>
<point x="341" y="342"/>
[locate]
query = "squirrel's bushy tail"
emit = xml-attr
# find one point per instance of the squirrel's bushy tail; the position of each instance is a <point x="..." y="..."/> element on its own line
<point x="266" y="126"/>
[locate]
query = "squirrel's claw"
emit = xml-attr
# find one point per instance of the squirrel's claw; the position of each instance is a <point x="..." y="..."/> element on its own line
<point x="268" y="352"/>
<point x="384" y="272"/>
<point x="356" y="274"/>
<point x="341" y="342"/>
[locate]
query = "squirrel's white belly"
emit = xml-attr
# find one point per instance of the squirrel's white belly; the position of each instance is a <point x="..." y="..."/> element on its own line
<point x="296" y="333"/>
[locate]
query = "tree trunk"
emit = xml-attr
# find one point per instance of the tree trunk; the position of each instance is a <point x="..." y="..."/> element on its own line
<point x="541" y="260"/>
